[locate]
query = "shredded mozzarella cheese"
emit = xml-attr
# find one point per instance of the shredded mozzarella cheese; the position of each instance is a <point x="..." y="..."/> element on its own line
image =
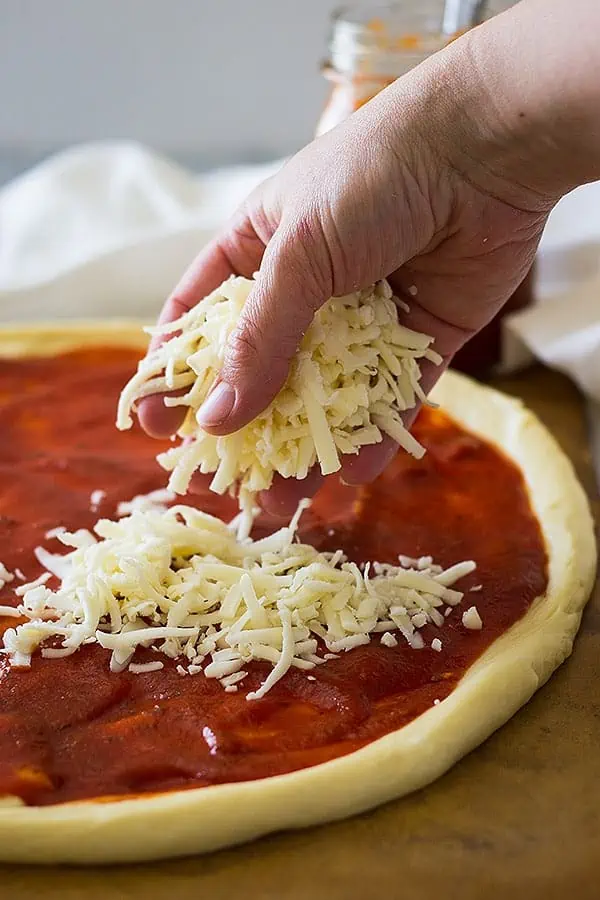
<point x="472" y="620"/>
<point x="356" y="372"/>
<point x="10" y="612"/>
<point x="155" y="501"/>
<point x="181" y="582"/>
<point x="96" y="498"/>
<point x="388" y="640"/>
<point x="141" y="668"/>
<point x="5" y="576"/>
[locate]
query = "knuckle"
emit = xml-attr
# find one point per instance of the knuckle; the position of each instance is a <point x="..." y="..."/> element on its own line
<point x="243" y="348"/>
<point x="254" y="358"/>
<point x="304" y="275"/>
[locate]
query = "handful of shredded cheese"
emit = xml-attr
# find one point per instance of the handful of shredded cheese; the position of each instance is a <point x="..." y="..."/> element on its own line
<point x="180" y="581"/>
<point x="354" y="375"/>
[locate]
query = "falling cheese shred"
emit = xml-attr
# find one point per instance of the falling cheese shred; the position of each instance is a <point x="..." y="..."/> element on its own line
<point x="5" y="576"/>
<point x="355" y="373"/>
<point x="180" y="581"/>
<point x="471" y="619"/>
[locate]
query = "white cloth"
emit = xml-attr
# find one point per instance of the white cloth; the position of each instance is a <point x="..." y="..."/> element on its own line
<point x="107" y="229"/>
<point x="563" y="329"/>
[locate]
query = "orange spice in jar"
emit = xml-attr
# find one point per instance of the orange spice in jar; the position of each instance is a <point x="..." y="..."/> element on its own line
<point x="370" y="47"/>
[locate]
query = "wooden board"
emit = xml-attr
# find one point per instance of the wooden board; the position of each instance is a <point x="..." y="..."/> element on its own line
<point x="518" y="818"/>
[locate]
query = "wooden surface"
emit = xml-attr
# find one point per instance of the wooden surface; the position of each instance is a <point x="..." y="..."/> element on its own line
<point x="518" y="818"/>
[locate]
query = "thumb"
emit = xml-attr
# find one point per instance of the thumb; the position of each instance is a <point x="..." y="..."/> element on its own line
<point x="294" y="281"/>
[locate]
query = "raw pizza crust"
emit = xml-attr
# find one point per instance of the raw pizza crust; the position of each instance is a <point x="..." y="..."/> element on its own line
<point x="492" y="690"/>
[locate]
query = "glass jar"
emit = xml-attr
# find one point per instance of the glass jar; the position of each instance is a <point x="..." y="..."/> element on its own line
<point x="370" y="47"/>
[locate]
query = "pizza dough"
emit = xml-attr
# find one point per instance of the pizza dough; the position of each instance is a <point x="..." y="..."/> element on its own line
<point x="492" y="690"/>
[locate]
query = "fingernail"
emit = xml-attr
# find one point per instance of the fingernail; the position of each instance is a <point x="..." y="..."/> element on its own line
<point x="217" y="406"/>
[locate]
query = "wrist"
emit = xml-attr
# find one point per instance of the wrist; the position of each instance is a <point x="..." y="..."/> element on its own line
<point x="515" y="112"/>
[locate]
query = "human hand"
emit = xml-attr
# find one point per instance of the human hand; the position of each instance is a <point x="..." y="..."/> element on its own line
<point x="381" y="196"/>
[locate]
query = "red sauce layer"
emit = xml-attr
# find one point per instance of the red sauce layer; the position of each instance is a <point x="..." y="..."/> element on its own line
<point x="70" y="729"/>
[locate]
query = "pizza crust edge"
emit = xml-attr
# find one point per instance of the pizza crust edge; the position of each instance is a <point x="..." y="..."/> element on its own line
<point x="492" y="690"/>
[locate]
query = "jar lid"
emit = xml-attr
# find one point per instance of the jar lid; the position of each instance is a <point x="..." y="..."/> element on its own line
<point x="460" y="15"/>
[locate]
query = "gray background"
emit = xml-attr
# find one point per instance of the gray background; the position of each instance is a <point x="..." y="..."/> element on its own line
<point x="207" y="81"/>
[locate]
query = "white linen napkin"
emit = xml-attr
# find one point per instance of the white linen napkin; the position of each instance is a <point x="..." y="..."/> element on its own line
<point x="107" y="230"/>
<point x="563" y="328"/>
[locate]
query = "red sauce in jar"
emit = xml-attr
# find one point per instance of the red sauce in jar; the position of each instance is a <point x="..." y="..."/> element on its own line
<point x="71" y="729"/>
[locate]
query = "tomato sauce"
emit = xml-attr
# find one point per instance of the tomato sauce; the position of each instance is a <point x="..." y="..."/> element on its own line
<point x="71" y="729"/>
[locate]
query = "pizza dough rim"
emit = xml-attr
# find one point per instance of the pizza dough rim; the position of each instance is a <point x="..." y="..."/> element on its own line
<point x="493" y="689"/>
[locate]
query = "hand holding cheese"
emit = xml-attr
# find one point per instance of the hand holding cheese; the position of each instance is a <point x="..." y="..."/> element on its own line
<point x="442" y="184"/>
<point x="355" y="374"/>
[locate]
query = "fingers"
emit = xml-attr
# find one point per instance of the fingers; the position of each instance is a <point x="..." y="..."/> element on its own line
<point x="374" y="459"/>
<point x="210" y="268"/>
<point x="294" y="282"/>
<point x="369" y="463"/>
<point x="284" y="495"/>
<point x="158" y="420"/>
<point x="237" y="252"/>
<point x="282" y="499"/>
